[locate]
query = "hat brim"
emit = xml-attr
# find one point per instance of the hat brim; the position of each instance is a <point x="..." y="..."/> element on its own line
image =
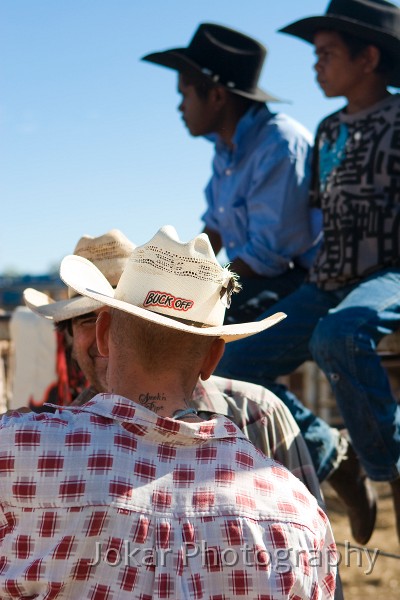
<point x="62" y="310"/>
<point x="84" y="277"/>
<point x="177" y="59"/>
<point x="305" y="29"/>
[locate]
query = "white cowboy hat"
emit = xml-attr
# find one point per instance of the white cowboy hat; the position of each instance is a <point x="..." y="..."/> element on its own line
<point x="166" y="279"/>
<point x="109" y="252"/>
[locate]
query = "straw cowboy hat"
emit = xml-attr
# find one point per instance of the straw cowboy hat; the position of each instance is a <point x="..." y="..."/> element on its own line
<point x="165" y="280"/>
<point x="221" y="55"/>
<point x="375" y="21"/>
<point x="109" y="252"/>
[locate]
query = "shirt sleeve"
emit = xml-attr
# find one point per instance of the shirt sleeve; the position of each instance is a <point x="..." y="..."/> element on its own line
<point x="209" y="217"/>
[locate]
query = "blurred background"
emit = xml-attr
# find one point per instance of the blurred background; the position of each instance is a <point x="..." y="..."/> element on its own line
<point x="90" y="137"/>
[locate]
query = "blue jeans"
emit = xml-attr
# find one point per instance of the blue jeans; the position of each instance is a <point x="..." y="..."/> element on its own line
<point x="340" y="330"/>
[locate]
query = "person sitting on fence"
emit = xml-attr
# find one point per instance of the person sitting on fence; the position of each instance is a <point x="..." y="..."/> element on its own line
<point x="352" y="298"/>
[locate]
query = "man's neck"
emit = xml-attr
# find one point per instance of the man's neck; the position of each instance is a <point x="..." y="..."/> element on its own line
<point x="226" y="133"/>
<point x="227" y="129"/>
<point x="363" y="99"/>
<point x="160" y="395"/>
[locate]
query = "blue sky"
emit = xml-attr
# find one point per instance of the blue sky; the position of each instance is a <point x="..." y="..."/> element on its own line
<point x="90" y="135"/>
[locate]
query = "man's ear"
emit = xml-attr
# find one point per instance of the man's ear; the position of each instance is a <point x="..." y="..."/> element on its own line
<point x="218" y="95"/>
<point x="372" y="56"/>
<point x="212" y="359"/>
<point x="103" y="331"/>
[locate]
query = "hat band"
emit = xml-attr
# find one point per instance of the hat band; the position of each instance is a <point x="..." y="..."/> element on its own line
<point x="217" y="78"/>
<point x="186" y="322"/>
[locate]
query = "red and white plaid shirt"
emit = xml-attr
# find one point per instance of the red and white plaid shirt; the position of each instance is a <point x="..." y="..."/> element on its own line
<point x="110" y="502"/>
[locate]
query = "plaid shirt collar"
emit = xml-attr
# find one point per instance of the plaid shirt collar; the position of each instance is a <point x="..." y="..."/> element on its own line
<point x="145" y="422"/>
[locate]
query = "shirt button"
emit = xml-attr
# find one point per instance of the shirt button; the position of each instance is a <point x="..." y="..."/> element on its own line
<point x="231" y="244"/>
<point x="221" y="209"/>
<point x="228" y="171"/>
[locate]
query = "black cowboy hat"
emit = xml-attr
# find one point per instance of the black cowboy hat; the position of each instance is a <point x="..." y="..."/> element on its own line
<point x="221" y="55"/>
<point x="375" y="21"/>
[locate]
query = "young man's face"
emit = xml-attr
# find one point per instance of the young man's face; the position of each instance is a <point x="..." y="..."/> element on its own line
<point x="85" y="352"/>
<point x="338" y="74"/>
<point x="198" y="113"/>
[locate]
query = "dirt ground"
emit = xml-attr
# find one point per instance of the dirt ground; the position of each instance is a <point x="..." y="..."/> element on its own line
<point x="363" y="580"/>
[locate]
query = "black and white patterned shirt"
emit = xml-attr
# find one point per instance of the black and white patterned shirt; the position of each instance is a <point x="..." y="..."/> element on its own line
<point x="356" y="183"/>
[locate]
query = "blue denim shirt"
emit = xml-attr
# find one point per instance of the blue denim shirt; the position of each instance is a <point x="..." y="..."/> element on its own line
<point x="258" y="194"/>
